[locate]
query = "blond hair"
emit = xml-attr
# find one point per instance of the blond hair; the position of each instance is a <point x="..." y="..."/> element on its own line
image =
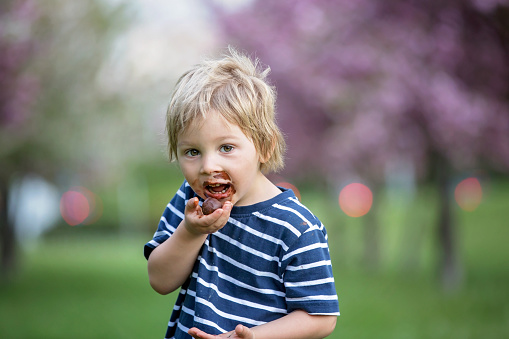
<point x="236" y="87"/>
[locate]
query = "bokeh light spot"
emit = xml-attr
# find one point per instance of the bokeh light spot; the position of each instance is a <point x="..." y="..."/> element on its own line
<point x="96" y="206"/>
<point x="290" y="186"/>
<point x="468" y="194"/>
<point x="355" y="199"/>
<point x="74" y="207"/>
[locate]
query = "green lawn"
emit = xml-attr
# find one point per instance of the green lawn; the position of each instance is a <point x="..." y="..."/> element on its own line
<point x="83" y="286"/>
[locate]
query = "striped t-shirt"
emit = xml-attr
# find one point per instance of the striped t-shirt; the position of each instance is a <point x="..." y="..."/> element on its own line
<point x="270" y="259"/>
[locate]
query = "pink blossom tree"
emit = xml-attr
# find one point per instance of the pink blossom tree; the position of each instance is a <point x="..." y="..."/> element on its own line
<point x="48" y="98"/>
<point x="366" y="86"/>
<point x="18" y="90"/>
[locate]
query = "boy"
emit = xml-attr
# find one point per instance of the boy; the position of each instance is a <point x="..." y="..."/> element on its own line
<point x="259" y="266"/>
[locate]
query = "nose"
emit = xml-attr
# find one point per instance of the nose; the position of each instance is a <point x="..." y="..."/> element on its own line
<point x="210" y="164"/>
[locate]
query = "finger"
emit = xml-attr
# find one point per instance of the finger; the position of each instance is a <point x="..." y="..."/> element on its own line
<point x="228" y="335"/>
<point x="227" y="206"/>
<point x="220" y="216"/>
<point x="194" y="332"/>
<point x="192" y="204"/>
<point x="227" y="209"/>
<point x="223" y="213"/>
<point x="241" y="331"/>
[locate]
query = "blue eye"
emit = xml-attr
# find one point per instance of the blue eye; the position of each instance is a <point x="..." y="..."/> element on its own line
<point x="226" y="148"/>
<point x="192" y="152"/>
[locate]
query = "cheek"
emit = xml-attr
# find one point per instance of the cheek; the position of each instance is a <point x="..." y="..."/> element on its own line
<point x="197" y="188"/>
<point x="189" y="173"/>
<point x="186" y="171"/>
<point x="187" y="166"/>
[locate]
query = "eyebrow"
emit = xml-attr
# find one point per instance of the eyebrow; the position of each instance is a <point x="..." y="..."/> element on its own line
<point x="221" y="138"/>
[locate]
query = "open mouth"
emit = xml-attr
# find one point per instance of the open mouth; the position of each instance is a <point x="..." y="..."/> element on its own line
<point x="218" y="190"/>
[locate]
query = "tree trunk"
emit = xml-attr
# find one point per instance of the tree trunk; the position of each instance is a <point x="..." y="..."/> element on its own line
<point x="7" y="238"/>
<point x="448" y="261"/>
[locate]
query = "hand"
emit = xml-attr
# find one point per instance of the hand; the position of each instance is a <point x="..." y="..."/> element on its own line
<point x="198" y="223"/>
<point x="241" y="332"/>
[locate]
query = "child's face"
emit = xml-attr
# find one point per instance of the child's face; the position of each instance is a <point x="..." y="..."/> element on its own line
<point x="218" y="160"/>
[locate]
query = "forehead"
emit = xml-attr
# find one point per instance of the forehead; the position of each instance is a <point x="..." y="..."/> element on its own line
<point x="210" y="118"/>
<point x="210" y="125"/>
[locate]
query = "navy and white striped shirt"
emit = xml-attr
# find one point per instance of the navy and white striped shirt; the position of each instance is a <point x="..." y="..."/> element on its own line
<point x="270" y="259"/>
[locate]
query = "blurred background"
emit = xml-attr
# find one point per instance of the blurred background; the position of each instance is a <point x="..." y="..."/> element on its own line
<point x="396" y="115"/>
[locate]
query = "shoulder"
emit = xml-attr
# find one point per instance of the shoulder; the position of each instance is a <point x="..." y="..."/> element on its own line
<point x="291" y="215"/>
<point x="297" y="214"/>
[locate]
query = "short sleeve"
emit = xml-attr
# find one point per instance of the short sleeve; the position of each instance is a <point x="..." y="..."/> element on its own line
<point x="308" y="276"/>
<point x="171" y="218"/>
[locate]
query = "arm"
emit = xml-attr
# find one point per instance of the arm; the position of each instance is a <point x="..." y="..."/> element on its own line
<point x="170" y="263"/>
<point x="296" y="325"/>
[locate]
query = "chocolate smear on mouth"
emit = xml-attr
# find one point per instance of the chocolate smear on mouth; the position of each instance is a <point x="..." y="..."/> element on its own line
<point x="222" y="175"/>
<point x="216" y="191"/>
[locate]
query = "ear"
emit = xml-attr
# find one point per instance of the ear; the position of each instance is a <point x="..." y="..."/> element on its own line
<point x="263" y="159"/>
<point x="268" y="152"/>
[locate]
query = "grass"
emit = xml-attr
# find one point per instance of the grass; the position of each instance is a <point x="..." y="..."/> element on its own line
<point x="83" y="288"/>
<point x="76" y="285"/>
